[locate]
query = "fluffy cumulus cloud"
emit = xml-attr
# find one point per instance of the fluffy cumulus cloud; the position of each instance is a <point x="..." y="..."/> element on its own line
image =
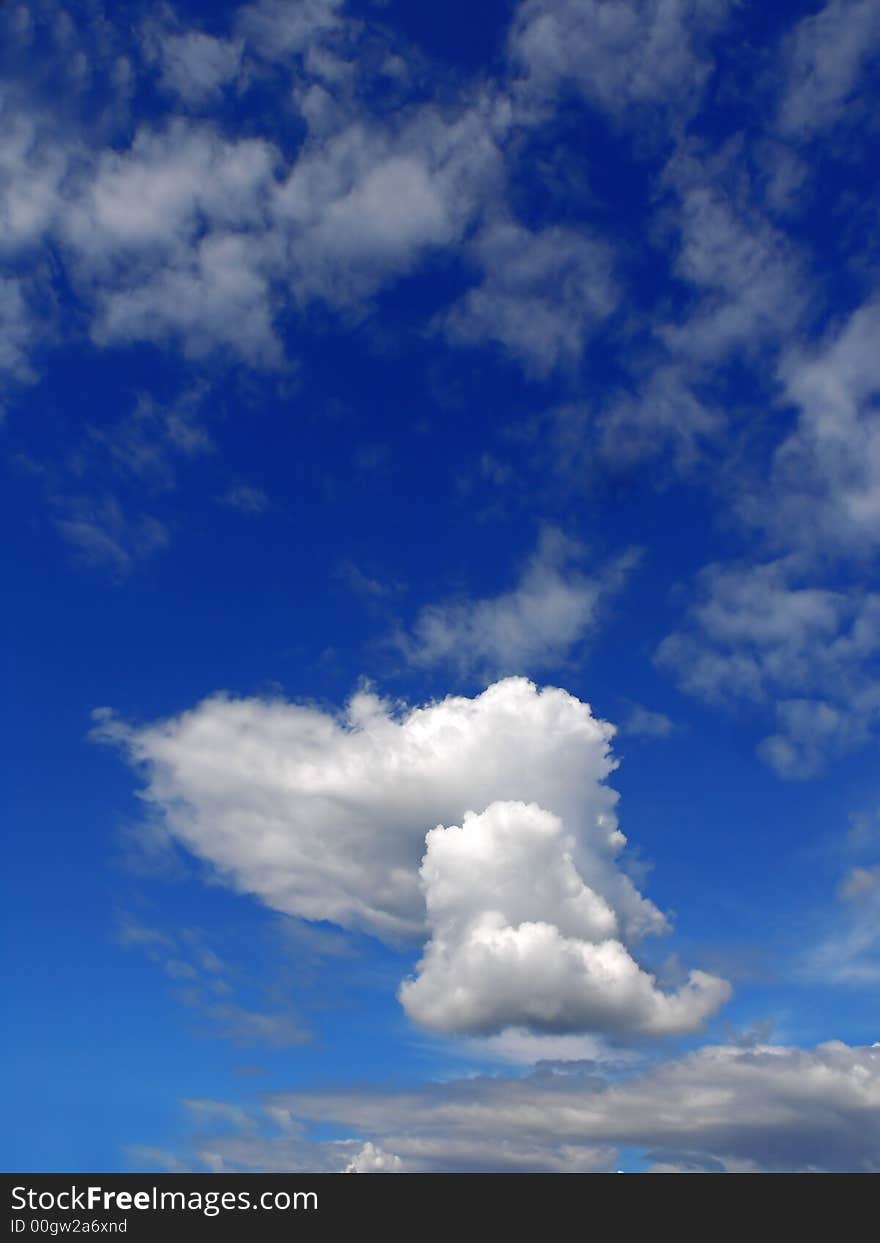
<point x="517" y="936"/>
<point x="373" y="1160"/>
<point x="326" y="817"/>
<point x="539" y="623"/>
<point x="185" y="231"/>
<point x="720" y="1109"/>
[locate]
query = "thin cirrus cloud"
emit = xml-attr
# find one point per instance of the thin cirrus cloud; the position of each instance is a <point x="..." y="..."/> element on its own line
<point x="326" y="818"/>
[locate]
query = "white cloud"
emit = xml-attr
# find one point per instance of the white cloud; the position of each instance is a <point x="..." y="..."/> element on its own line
<point x="827" y="54"/>
<point x="168" y="238"/>
<point x="616" y="52"/>
<point x="754" y="629"/>
<point x="764" y="633"/>
<point x="33" y="164"/>
<point x="149" y="198"/>
<point x="642" y="722"/>
<point x="190" y="235"/>
<point x="196" y="66"/>
<point x="824" y="491"/>
<point x="538" y="624"/>
<point x="810" y="732"/>
<point x="543" y="294"/>
<point x="278" y="30"/>
<point x="521" y="1047"/>
<point x="744" y="271"/>
<point x="744" y="296"/>
<point x="219" y="295"/>
<point x="517" y="936"/>
<point x="662" y="411"/>
<point x="801" y="630"/>
<point x="18" y="331"/>
<point x="373" y="1160"/>
<point x="365" y="202"/>
<point x="325" y="817"/>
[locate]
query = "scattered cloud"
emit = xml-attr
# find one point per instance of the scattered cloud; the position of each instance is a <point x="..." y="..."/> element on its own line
<point x="104" y="535"/>
<point x="827" y="54"/>
<point x="197" y="66"/>
<point x="247" y="499"/>
<point x="617" y="53"/>
<point x="537" y="625"/>
<point x="642" y="722"/>
<point x="542" y="295"/>
<point x="761" y="633"/>
<point x="743" y="272"/>
<point x="824" y="493"/>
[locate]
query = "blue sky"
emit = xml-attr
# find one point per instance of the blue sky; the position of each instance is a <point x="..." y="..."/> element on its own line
<point x="442" y="473"/>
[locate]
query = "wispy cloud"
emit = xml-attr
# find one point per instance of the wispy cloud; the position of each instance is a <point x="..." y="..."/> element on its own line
<point x="540" y="623"/>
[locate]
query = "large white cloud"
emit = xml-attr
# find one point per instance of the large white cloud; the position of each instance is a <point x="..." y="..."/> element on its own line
<point x="325" y="817"/>
<point x="519" y="937"/>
